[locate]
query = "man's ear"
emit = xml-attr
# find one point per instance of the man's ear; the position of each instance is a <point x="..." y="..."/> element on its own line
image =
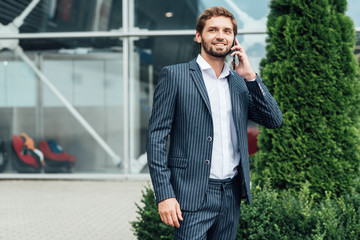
<point x="198" y="37"/>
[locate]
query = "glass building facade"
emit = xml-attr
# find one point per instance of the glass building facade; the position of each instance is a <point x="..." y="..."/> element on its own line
<point x="81" y="73"/>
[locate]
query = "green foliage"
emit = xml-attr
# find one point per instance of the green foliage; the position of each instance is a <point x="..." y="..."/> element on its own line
<point x="287" y="216"/>
<point x="311" y="71"/>
<point x="148" y="225"/>
<point x="274" y="215"/>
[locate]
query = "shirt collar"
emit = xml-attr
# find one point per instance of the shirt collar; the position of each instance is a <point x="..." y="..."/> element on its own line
<point x="204" y="66"/>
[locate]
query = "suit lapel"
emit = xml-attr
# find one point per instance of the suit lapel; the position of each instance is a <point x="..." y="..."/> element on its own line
<point x="236" y="106"/>
<point x="196" y="75"/>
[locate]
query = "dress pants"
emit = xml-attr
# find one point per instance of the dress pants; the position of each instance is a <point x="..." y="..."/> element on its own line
<point x="218" y="217"/>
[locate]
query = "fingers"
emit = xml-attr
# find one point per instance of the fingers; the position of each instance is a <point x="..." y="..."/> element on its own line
<point x="170" y="212"/>
<point x="175" y="220"/>
<point x="170" y="218"/>
<point x="237" y="46"/>
<point x="240" y="54"/>
<point x="238" y="50"/>
<point x="178" y="212"/>
<point x="243" y="68"/>
<point x="170" y="221"/>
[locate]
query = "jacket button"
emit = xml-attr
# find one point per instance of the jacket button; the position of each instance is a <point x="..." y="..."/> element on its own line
<point x="207" y="162"/>
<point x="209" y="139"/>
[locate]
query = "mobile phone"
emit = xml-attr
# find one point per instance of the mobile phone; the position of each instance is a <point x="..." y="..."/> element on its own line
<point x="234" y="59"/>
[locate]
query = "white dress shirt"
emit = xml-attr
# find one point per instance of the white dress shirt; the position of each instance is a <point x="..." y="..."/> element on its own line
<point x="225" y="154"/>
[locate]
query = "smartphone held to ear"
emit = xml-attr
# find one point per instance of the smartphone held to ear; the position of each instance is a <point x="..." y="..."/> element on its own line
<point x="233" y="63"/>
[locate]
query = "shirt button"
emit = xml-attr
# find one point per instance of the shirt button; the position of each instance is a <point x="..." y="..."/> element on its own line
<point x="207" y="162"/>
<point x="209" y="139"/>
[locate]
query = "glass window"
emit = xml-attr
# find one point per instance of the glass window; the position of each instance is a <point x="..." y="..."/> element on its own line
<point x="64" y="15"/>
<point x="17" y="82"/>
<point x="72" y="45"/>
<point x="94" y="86"/>
<point x="166" y="14"/>
<point x="172" y="14"/>
<point x="90" y="79"/>
<point x="250" y="15"/>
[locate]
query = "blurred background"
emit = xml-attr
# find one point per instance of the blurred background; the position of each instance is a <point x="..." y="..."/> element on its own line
<point x="104" y="57"/>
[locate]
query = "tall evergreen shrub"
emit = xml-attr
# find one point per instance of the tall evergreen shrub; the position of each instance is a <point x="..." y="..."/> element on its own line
<point x="311" y="71"/>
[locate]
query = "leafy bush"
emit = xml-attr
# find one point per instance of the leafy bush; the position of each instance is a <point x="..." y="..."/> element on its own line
<point x="149" y="225"/>
<point x="274" y="215"/>
<point x="287" y="216"/>
<point x="311" y="71"/>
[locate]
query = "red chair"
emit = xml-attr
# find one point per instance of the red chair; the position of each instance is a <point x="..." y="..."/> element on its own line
<point x="56" y="162"/>
<point x="24" y="160"/>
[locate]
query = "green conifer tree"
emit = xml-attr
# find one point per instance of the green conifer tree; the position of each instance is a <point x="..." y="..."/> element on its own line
<point x="311" y="70"/>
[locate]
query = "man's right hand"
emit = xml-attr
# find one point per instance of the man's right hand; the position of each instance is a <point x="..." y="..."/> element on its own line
<point x="170" y="213"/>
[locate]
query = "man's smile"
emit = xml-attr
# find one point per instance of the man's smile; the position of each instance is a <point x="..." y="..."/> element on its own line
<point x="219" y="44"/>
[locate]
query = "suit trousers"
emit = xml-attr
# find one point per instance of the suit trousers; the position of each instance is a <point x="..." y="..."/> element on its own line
<point x="218" y="217"/>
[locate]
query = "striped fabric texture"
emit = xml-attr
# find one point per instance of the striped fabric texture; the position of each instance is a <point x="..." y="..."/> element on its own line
<point x="181" y="111"/>
<point x="218" y="217"/>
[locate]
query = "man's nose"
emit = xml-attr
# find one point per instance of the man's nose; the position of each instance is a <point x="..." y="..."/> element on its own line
<point x="220" y="35"/>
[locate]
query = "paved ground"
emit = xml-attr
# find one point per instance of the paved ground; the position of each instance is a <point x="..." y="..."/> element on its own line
<point x="51" y="209"/>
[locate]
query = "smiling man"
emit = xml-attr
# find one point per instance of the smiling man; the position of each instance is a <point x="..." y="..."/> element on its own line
<point x="204" y="107"/>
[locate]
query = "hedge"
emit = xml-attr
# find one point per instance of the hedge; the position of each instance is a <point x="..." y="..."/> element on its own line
<point x="273" y="215"/>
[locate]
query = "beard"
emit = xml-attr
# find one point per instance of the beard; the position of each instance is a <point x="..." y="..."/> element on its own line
<point x="213" y="51"/>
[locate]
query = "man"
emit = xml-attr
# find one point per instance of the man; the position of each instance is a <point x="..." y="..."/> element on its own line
<point x="204" y="107"/>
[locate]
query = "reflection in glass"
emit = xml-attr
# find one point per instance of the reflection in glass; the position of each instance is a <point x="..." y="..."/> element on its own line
<point x="250" y="15"/>
<point x="166" y="14"/>
<point x="17" y="83"/>
<point x="91" y="81"/>
<point x="93" y="84"/>
<point x="65" y="15"/>
<point x="172" y="14"/>
<point x="77" y="45"/>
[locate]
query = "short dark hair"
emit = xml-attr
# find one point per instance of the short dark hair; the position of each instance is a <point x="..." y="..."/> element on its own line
<point x="215" y="12"/>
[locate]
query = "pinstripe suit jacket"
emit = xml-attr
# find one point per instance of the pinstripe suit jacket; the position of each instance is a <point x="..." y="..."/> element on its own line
<point x="182" y="111"/>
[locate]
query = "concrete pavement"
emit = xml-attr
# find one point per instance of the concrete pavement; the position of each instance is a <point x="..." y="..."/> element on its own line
<point x="70" y="209"/>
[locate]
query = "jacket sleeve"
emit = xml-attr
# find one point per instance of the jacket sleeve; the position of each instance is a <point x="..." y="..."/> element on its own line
<point x="157" y="134"/>
<point x="263" y="108"/>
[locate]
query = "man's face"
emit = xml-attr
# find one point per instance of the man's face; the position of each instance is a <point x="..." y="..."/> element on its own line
<point x="217" y="37"/>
